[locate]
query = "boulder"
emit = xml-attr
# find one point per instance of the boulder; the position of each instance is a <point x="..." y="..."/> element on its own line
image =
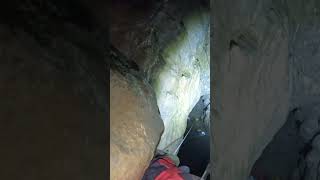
<point x="135" y="122"/>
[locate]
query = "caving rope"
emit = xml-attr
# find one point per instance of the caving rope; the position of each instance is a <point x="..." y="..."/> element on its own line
<point x="177" y="149"/>
<point x="206" y="172"/>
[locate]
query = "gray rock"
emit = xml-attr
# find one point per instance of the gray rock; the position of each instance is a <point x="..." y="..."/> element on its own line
<point x="251" y="82"/>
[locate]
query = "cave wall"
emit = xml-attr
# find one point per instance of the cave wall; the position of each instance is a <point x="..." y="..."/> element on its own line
<point x="305" y="85"/>
<point x="135" y="122"/>
<point x="304" y="53"/>
<point x="200" y="114"/>
<point x="52" y="87"/>
<point x="298" y="23"/>
<point x="282" y="155"/>
<point x="294" y="151"/>
<point x="251" y="82"/>
<point x="178" y="85"/>
<point x="169" y="41"/>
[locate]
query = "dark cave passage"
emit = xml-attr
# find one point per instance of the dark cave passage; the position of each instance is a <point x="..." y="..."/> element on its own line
<point x="293" y="152"/>
<point x="280" y="158"/>
<point x="195" y="150"/>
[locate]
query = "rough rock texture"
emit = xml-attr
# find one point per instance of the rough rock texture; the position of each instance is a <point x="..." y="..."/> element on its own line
<point x="304" y="62"/>
<point x="53" y="101"/>
<point x="282" y="155"/>
<point x="308" y="130"/>
<point x="200" y="114"/>
<point x="304" y="52"/>
<point x="298" y="20"/>
<point x="250" y="65"/>
<point x="135" y="122"/>
<point x="303" y="20"/>
<point x="294" y="152"/>
<point x="169" y="40"/>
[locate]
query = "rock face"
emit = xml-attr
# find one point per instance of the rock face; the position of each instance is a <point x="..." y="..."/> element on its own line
<point x="170" y="44"/>
<point x="135" y="121"/>
<point x="282" y="155"/>
<point x="304" y="81"/>
<point x="298" y="22"/>
<point x="200" y="114"/>
<point x="307" y="118"/>
<point x="53" y="102"/>
<point x="251" y="82"/>
<point x="294" y="151"/>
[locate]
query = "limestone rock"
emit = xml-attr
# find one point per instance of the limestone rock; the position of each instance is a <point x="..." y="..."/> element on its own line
<point x="135" y="122"/>
<point x="316" y="143"/>
<point x="310" y="124"/>
<point x="302" y="19"/>
<point x="250" y="65"/>
<point x="170" y="44"/>
<point x="283" y="154"/>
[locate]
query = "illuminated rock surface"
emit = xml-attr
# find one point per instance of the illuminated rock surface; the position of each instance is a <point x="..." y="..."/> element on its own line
<point x="172" y="50"/>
